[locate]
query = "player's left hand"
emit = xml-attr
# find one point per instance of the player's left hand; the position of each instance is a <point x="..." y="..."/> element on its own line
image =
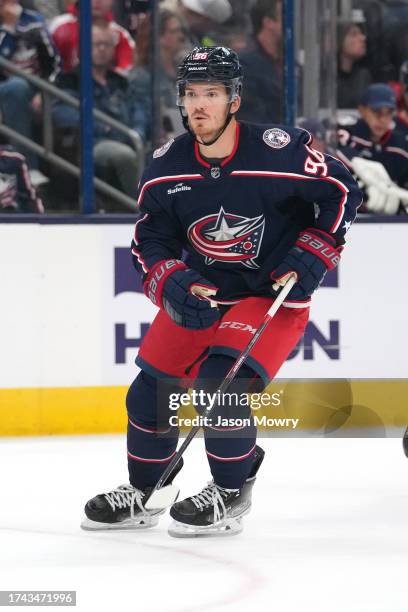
<point x="314" y="253"/>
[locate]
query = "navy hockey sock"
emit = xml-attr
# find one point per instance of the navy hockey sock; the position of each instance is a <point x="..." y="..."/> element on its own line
<point x="150" y="442"/>
<point x="231" y="438"/>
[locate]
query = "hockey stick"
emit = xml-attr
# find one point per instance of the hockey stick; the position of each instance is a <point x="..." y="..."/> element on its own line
<point x="164" y="496"/>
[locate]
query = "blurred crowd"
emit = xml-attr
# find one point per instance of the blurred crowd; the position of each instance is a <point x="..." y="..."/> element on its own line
<point x="41" y="37"/>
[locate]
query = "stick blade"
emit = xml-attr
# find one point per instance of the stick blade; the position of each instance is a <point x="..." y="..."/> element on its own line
<point x="162" y="498"/>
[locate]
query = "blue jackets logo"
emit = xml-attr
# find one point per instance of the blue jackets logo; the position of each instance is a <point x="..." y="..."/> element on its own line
<point x="228" y="238"/>
<point x="276" y="138"/>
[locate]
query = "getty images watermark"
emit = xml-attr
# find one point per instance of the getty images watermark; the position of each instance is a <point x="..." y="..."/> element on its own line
<point x="204" y="402"/>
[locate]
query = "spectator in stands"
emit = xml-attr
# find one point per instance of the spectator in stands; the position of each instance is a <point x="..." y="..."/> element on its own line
<point x="370" y="14"/>
<point x="353" y="78"/>
<point x="172" y="43"/>
<point x="65" y="33"/>
<point x="375" y="152"/>
<point x="16" y="191"/>
<point x="25" y="41"/>
<point x="233" y="37"/>
<point x="129" y="13"/>
<point x="401" y="120"/>
<point x="48" y="8"/>
<point x="395" y="39"/>
<point x="262" y="65"/>
<point x="115" y="157"/>
<point x="202" y="18"/>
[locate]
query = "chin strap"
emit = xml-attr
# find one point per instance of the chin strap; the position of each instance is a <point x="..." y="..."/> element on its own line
<point x="220" y="132"/>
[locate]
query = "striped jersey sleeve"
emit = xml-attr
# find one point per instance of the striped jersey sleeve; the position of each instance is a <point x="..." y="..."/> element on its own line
<point x="156" y="235"/>
<point x="327" y="182"/>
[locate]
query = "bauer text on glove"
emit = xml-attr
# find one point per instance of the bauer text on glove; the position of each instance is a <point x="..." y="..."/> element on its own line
<point x="170" y="285"/>
<point x="314" y="253"/>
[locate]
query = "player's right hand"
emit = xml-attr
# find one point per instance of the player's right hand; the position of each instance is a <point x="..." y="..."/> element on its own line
<point x="169" y="285"/>
<point x="314" y="253"/>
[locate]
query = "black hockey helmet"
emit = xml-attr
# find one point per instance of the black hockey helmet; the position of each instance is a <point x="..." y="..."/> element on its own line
<point x="213" y="64"/>
<point x="210" y="64"/>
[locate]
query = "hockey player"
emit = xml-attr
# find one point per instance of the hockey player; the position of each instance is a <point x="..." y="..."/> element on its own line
<point x="375" y="152"/>
<point x="401" y="120"/>
<point x="240" y="200"/>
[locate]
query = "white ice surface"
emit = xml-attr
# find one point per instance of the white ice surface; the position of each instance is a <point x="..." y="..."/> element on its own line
<point x="327" y="533"/>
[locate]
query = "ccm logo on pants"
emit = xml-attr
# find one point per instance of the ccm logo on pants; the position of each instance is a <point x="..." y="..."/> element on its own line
<point x="237" y="325"/>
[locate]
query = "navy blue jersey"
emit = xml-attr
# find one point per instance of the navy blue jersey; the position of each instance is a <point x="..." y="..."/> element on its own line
<point x="391" y="152"/>
<point x="401" y="126"/>
<point x="16" y="192"/>
<point x="237" y="219"/>
<point x="29" y="45"/>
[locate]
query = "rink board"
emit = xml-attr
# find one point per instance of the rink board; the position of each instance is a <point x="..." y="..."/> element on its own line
<point x="73" y="316"/>
<point x="377" y="407"/>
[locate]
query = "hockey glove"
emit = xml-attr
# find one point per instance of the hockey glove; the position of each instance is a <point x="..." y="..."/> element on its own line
<point x="313" y="254"/>
<point x="170" y="285"/>
<point x="382" y="194"/>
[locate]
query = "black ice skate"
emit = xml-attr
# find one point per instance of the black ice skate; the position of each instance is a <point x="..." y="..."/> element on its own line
<point x="405" y="442"/>
<point x="123" y="508"/>
<point x="214" y="511"/>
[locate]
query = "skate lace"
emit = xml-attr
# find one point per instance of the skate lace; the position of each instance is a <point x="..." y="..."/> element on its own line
<point x="126" y="496"/>
<point x="212" y="495"/>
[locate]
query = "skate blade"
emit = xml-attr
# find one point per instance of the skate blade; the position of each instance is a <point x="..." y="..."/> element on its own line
<point x="126" y="525"/>
<point x="229" y="528"/>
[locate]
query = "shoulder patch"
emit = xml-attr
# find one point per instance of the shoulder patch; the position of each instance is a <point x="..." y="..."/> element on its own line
<point x="276" y="138"/>
<point x="163" y="149"/>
